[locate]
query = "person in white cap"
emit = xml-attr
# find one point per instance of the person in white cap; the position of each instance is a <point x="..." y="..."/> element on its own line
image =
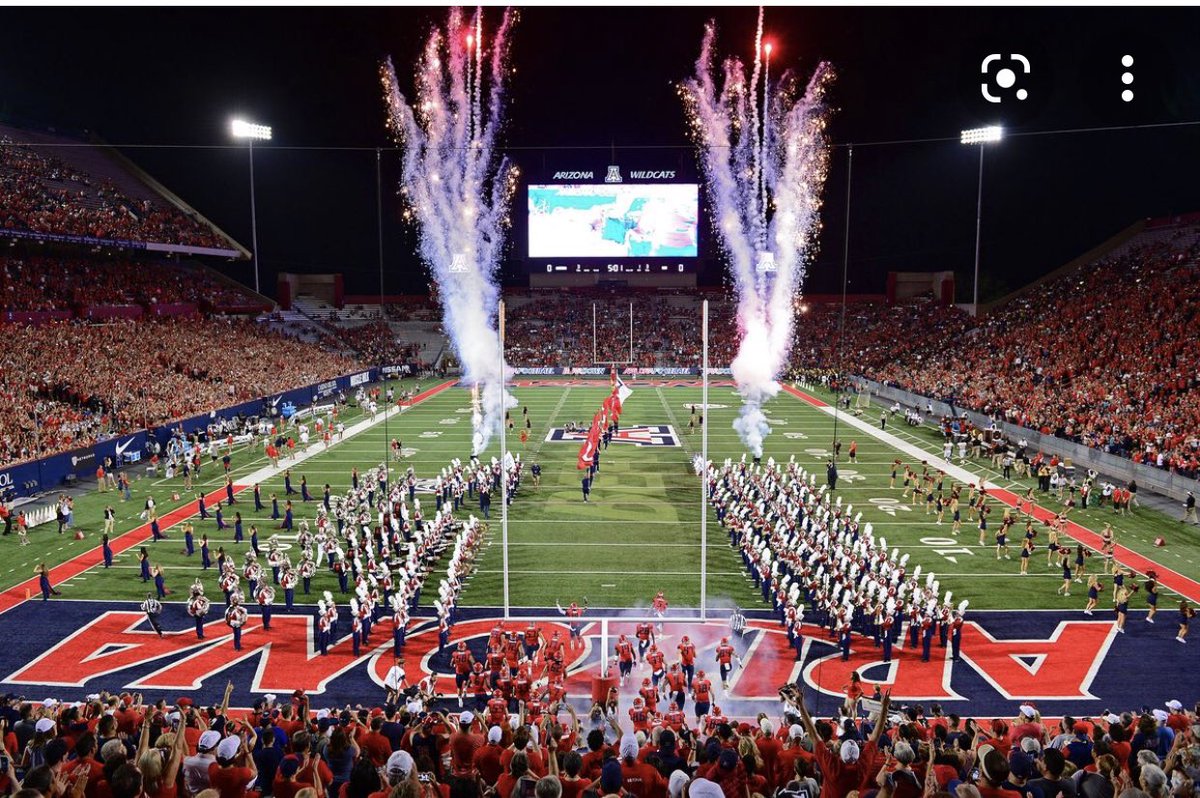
<point x="195" y="768"/>
<point x="703" y="788"/>
<point x="464" y="742"/>
<point x="229" y="777"/>
<point x="399" y="767"/>
<point x="845" y="769"/>
<point x="1178" y="720"/>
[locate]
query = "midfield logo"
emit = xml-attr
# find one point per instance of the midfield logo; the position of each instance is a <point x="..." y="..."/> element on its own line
<point x="651" y="435"/>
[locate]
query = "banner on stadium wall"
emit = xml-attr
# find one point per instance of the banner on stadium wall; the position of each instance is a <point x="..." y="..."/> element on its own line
<point x="83" y="461"/>
<point x="325" y="389"/>
<point x="360" y="379"/>
<point x="122" y="450"/>
<point x="537" y="370"/>
<point x="404" y="369"/>
<point x="22" y="479"/>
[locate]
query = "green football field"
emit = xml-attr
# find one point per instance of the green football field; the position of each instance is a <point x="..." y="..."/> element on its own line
<point x="641" y="530"/>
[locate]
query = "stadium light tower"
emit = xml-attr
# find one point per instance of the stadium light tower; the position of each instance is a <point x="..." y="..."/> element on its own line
<point x="241" y="129"/>
<point x="980" y="136"/>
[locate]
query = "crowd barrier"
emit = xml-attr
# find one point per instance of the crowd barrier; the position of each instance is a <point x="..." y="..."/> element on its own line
<point x="1114" y="467"/>
<point x="49" y="473"/>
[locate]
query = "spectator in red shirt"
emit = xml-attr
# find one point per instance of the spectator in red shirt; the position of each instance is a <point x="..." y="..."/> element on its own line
<point x="487" y="757"/>
<point x="638" y="778"/>
<point x="464" y="743"/>
<point x="225" y="775"/>
<point x="374" y="745"/>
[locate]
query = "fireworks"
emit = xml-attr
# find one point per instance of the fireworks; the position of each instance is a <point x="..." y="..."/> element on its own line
<point x="765" y="158"/>
<point x="457" y="189"/>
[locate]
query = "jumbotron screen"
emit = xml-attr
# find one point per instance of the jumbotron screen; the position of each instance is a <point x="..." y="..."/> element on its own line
<point x="618" y="220"/>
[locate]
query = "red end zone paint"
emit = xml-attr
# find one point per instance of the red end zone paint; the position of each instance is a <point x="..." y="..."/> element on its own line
<point x="1167" y="577"/>
<point x="138" y="535"/>
<point x="812" y="400"/>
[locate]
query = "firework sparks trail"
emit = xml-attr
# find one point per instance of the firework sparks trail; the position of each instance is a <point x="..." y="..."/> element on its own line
<point x="457" y="189"/>
<point x="777" y="150"/>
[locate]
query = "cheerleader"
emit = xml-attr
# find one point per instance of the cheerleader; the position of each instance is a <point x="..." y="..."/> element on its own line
<point x="1151" y="594"/>
<point x="895" y="465"/>
<point x="1080" y="562"/>
<point x="1026" y="551"/>
<point x="235" y="616"/>
<point x="1186" y="613"/>
<point x="955" y="512"/>
<point x="1093" y="592"/>
<point x="1065" y="561"/>
<point x="1029" y="503"/>
<point x="1119" y="574"/>
<point x="198" y="606"/>
<point x="144" y="563"/>
<point x="1052" y="544"/>
<point x="1122" y="608"/>
<point x="1108" y="547"/>
<point x="941" y="509"/>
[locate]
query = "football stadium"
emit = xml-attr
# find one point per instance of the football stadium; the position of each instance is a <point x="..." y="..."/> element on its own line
<point x="762" y="448"/>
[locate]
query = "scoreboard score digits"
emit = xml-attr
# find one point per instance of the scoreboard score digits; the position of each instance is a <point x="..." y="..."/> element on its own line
<point x="623" y="267"/>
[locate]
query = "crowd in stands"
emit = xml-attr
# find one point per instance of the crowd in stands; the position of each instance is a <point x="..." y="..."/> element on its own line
<point x="42" y="193"/>
<point x="116" y="746"/>
<point x="374" y="343"/>
<point x="556" y="329"/>
<point x="1105" y="356"/>
<point x="62" y="385"/>
<point x="41" y="283"/>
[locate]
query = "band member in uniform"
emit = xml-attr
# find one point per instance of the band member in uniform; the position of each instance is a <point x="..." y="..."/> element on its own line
<point x="198" y="606"/>
<point x="287" y="581"/>
<point x="153" y="608"/>
<point x="235" y="616"/>
<point x="265" y="595"/>
<point x="956" y="626"/>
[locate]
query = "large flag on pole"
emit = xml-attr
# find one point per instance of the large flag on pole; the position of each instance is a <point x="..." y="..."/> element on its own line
<point x="622" y="392"/>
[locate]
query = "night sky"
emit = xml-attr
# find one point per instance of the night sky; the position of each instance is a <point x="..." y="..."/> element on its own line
<point x="605" y="78"/>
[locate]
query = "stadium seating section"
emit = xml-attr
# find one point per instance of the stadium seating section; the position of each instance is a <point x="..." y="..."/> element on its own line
<point x="57" y="186"/>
